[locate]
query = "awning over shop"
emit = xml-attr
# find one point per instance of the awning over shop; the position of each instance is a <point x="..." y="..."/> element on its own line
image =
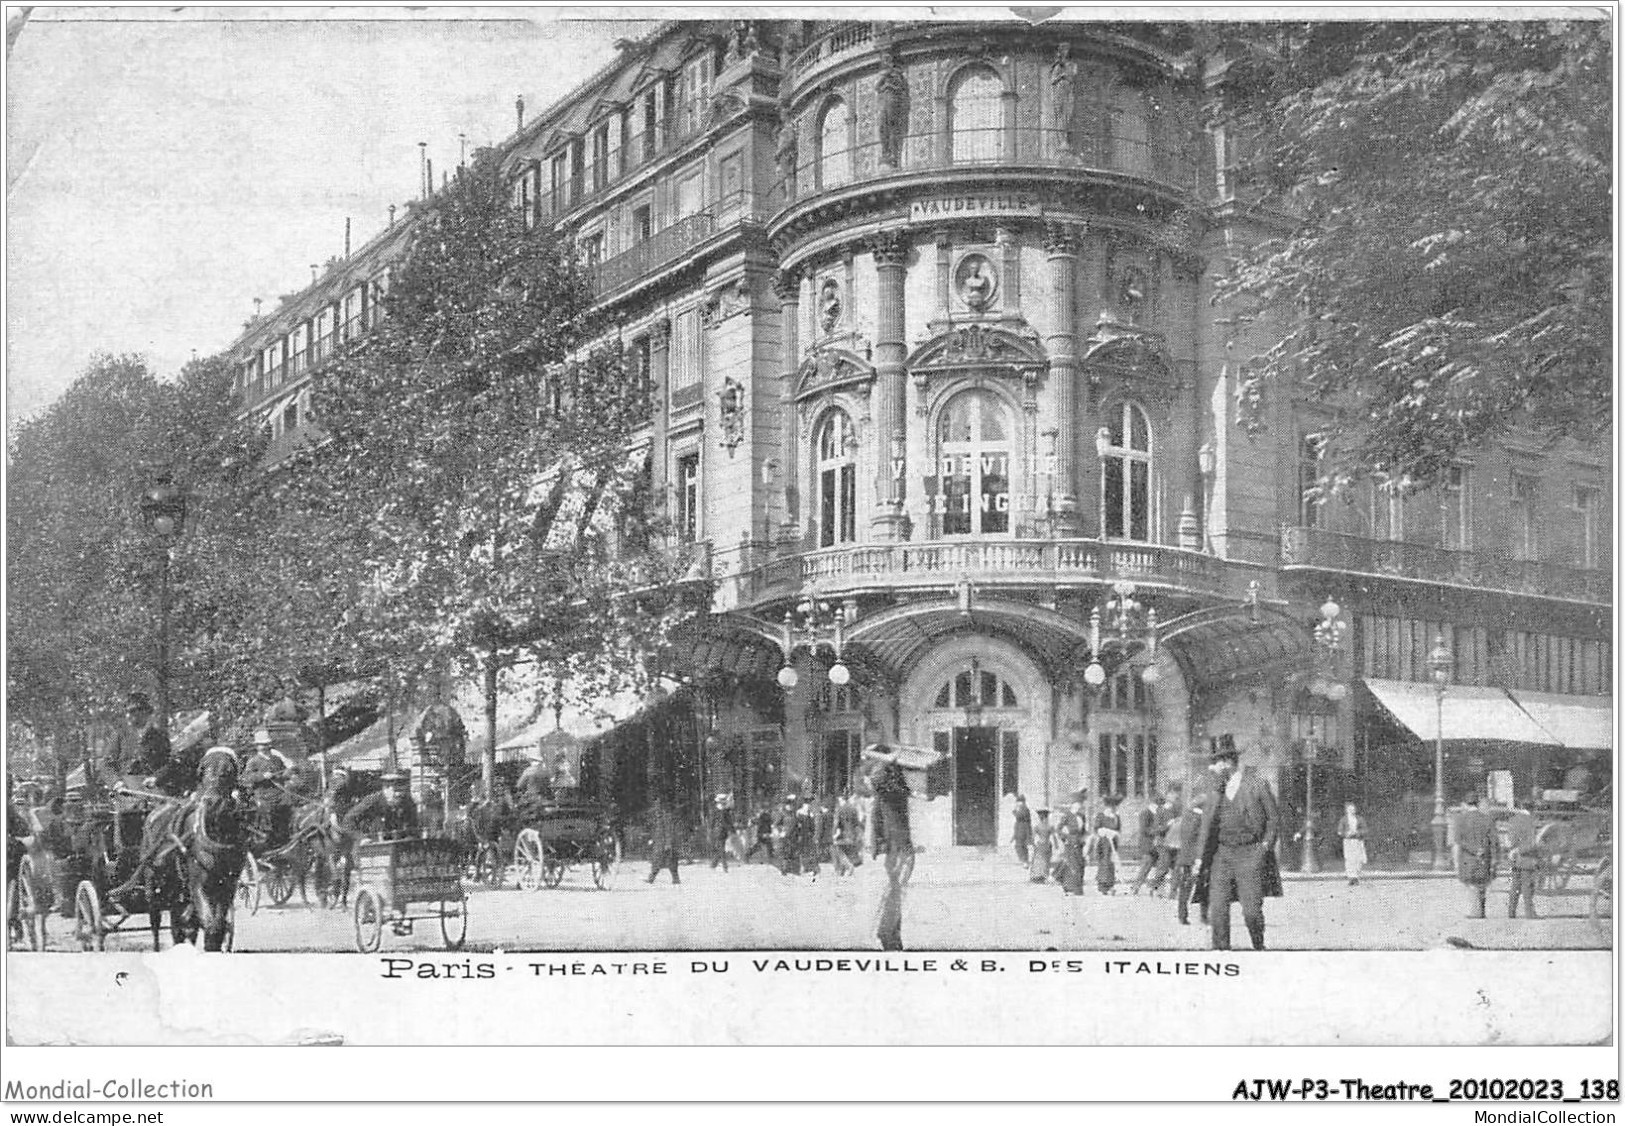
<point x="1577" y="722"/>
<point x="1468" y="713"/>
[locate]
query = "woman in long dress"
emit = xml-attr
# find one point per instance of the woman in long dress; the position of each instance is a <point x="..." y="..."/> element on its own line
<point x="1038" y="867"/>
<point x="1108" y="827"/>
<point x="1073" y="832"/>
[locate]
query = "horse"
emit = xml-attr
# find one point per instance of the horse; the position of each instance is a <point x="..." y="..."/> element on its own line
<point x="324" y="850"/>
<point x="193" y="853"/>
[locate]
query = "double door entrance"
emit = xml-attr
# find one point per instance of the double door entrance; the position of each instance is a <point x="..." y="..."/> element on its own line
<point x="985" y="766"/>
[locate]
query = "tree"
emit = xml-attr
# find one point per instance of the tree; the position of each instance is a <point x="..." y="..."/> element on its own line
<point x="1446" y="190"/>
<point x="81" y="622"/>
<point x="475" y="462"/>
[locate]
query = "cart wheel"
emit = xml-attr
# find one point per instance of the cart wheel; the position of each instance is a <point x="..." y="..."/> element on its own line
<point x="488" y="868"/>
<point x="454" y="922"/>
<point x="87" y="918"/>
<point x="279" y="883"/>
<point x="1602" y="898"/>
<point x="29" y="906"/>
<point x="527" y="858"/>
<point x="369" y="920"/>
<point x="248" y="884"/>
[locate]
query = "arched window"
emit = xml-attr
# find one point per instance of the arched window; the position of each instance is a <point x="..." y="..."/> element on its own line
<point x="1131" y="141"/>
<point x="837" y="481"/>
<point x="1125" y="477"/>
<point x="834" y="155"/>
<point x="976" y="117"/>
<point x="975" y="687"/>
<point x="973" y="456"/>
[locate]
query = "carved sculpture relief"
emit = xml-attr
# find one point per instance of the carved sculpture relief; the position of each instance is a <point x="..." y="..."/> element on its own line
<point x="1063" y="81"/>
<point x="829" y="305"/>
<point x="731" y="400"/>
<point x="892" y="92"/>
<point x="976" y="281"/>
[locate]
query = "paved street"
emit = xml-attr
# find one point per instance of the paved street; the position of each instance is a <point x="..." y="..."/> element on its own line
<point x="957" y="900"/>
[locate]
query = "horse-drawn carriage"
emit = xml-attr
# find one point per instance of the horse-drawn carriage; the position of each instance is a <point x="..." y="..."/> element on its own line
<point x="1576" y="842"/>
<point x="536" y="842"/>
<point x="394" y="877"/>
<point x="293" y="844"/>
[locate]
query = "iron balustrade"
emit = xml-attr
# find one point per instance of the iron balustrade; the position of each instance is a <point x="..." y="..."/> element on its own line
<point x="659" y="249"/>
<point x="838" y="40"/>
<point x="1168" y="160"/>
<point x="1340" y="551"/>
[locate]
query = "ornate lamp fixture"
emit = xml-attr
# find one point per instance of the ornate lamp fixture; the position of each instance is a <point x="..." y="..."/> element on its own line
<point x="814" y="626"/>
<point x="1127" y="626"/>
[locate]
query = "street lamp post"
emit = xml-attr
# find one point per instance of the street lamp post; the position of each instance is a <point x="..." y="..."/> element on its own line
<point x="1440" y="663"/>
<point x="163" y="514"/>
<point x="1311" y="862"/>
<point x="1326" y="683"/>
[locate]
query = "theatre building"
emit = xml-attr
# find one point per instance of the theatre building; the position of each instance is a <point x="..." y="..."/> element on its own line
<point x="976" y="465"/>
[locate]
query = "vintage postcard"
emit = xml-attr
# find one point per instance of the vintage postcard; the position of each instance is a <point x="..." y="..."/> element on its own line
<point x="716" y="527"/>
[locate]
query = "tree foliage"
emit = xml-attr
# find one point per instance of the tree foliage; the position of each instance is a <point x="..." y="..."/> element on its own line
<point x="82" y="571"/>
<point x="1448" y="188"/>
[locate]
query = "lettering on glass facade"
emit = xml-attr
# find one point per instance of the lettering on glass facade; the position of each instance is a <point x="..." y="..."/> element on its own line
<point x="970" y="494"/>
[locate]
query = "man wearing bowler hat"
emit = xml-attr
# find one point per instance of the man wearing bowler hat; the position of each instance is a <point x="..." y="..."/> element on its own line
<point x="1237" y="846"/>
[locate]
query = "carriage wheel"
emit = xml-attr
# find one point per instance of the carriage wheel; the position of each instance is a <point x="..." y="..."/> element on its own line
<point x="369" y="920"/>
<point x="454" y="922"/>
<point x="488" y="866"/>
<point x="603" y="865"/>
<point x="527" y="857"/>
<point x="248" y="884"/>
<point x="29" y="904"/>
<point x="552" y="866"/>
<point x="1602" y="897"/>
<point x="279" y="882"/>
<point x="87" y="918"/>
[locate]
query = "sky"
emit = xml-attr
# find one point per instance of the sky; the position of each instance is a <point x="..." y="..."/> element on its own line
<point x="166" y="166"/>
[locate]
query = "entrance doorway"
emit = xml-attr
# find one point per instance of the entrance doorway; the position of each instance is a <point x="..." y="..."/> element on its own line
<point x="976" y="797"/>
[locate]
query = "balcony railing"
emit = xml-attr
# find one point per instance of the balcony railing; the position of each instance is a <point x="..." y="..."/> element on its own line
<point x="660" y="249"/>
<point x="1337" y="551"/>
<point x="944" y="563"/>
<point x="838" y="40"/>
<point x="1168" y="161"/>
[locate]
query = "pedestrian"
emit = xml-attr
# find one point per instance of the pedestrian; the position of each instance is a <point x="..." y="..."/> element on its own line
<point x="1108" y="828"/>
<point x="1187" y="841"/>
<point x="1524" y="857"/>
<point x="663" y="841"/>
<point x="1073" y="832"/>
<point x="848" y="836"/>
<point x="1475" y="852"/>
<point x="1156" y="820"/>
<point x="1237" y="850"/>
<point x="722" y="829"/>
<point x="1022" y="835"/>
<point x="807" y="836"/>
<point x="892" y="836"/>
<point x="1351" y="828"/>
<point x="1043" y="843"/>
<point x="388" y="815"/>
<point x="824" y="827"/>
<point x="787" y="837"/>
<point x="764" y="835"/>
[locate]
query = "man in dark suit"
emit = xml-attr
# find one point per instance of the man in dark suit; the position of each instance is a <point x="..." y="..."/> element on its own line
<point x="388" y="815"/>
<point x="1186" y="840"/>
<point x="1476" y="849"/>
<point x="663" y="835"/>
<point x="1156" y="820"/>
<point x="1237" y="847"/>
<point x="892" y="837"/>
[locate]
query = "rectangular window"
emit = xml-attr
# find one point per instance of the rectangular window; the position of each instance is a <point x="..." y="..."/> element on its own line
<point x="1387" y="513"/>
<point x="519" y="194"/>
<point x="351" y="328"/>
<point x="642" y="223"/>
<point x="273" y="364"/>
<point x="324" y="333"/>
<point x="1308" y="478"/>
<point x="301" y="348"/>
<point x="1525" y="517"/>
<point x="592" y="249"/>
<point x="1455" y="511"/>
<point x="730" y="174"/>
<point x="378" y="287"/>
<point x="600" y="157"/>
<point x="1587" y="507"/>
<point x="696" y="96"/>
<point x="688" y="497"/>
<point x="685" y="350"/>
<point x="558" y="183"/>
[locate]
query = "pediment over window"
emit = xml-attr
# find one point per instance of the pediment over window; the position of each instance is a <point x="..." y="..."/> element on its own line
<point x="1129" y="347"/>
<point x="829" y="368"/>
<point x="979" y="346"/>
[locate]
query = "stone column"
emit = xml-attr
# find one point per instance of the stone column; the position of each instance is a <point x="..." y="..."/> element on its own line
<point x="659" y="382"/>
<point x="890" y="250"/>
<point x="787" y="288"/>
<point x="1061" y="247"/>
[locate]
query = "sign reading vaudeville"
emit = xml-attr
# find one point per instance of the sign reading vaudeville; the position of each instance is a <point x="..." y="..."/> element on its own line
<point x="973" y="204"/>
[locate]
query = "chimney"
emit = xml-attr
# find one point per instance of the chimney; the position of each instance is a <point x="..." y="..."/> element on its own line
<point x="424" y="180"/>
<point x="313" y="273"/>
<point x="462" y="149"/>
<point x="256" y="308"/>
<point x="428" y="187"/>
<point x="346" y="238"/>
<point x="392" y="215"/>
<point x="519" y="110"/>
